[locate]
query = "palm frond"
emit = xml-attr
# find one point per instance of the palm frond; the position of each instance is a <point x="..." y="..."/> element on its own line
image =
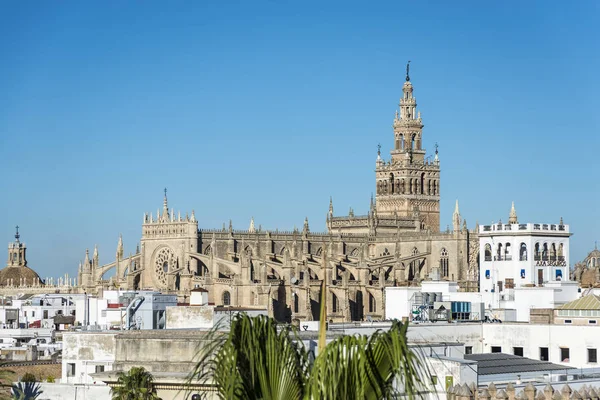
<point x="367" y="367"/>
<point x="254" y="361"/>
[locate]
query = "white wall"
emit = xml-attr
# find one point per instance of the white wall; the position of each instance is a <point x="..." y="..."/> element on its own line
<point x="398" y="302"/>
<point x="60" y="391"/>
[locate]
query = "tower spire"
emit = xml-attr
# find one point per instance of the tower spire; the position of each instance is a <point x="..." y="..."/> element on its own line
<point x="456" y="218"/>
<point x="512" y="218"/>
<point x="330" y="206"/>
<point x="17" y="236"/>
<point x="165" y="206"/>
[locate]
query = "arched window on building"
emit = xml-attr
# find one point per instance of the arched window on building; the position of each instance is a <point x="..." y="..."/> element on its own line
<point x="536" y="255"/>
<point x="499" y="252"/>
<point x="372" y="304"/>
<point x="545" y="252"/>
<point x="444" y="263"/>
<point x="561" y="255"/>
<point x="334" y="303"/>
<point x="488" y="252"/>
<point x="507" y="252"/>
<point x="553" y="252"/>
<point x="423" y="183"/>
<point x="226" y="298"/>
<point x="296" y="303"/>
<point x="523" y="252"/>
<point x="391" y="183"/>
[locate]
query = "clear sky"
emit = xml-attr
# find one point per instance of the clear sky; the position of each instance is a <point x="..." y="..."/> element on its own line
<point x="266" y="109"/>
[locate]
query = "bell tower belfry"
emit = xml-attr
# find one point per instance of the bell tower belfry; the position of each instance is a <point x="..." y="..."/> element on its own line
<point x="409" y="181"/>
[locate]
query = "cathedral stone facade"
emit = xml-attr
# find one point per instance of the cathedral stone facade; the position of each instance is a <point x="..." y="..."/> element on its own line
<point x="397" y="243"/>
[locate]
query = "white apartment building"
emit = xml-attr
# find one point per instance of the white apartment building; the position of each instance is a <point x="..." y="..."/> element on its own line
<point x="516" y="255"/>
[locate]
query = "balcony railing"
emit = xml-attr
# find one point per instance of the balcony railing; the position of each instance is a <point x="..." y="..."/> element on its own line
<point x="488" y="258"/>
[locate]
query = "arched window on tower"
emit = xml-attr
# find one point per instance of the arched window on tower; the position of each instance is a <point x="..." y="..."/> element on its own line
<point x="410" y="186"/>
<point x="412" y="141"/>
<point x="434" y="188"/>
<point x="536" y="253"/>
<point x="423" y="183"/>
<point x="499" y="252"/>
<point x="523" y="252"/>
<point x="507" y="252"/>
<point x="226" y="298"/>
<point x="392" y="183"/>
<point x="488" y="252"/>
<point x="553" y="252"/>
<point x="444" y="263"/>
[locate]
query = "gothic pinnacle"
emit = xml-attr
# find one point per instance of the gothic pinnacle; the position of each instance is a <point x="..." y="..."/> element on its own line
<point x="512" y="218"/>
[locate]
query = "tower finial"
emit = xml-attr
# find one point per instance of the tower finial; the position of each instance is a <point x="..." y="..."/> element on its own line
<point x="17" y="236"/>
<point x="379" y="149"/>
<point x="512" y="217"/>
<point x="407" y="71"/>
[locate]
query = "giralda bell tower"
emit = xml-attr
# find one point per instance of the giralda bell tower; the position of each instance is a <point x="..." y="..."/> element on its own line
<point x="409" y="184"/>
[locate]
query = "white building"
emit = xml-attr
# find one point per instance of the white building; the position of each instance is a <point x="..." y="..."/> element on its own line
<point x="524" y="266"/>
<point x="517" y="255"/>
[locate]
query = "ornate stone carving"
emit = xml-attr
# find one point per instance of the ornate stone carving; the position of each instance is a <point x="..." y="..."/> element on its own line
<point x="164" y="262"/>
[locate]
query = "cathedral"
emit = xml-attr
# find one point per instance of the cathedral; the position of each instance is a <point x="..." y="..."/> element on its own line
<point x="397" y="243"/>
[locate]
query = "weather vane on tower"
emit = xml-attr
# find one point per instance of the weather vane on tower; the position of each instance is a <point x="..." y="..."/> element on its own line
<point x="407" y="70"/>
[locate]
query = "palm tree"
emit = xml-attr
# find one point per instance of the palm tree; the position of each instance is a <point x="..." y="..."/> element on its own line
<point x="26" y="391"/>
<point x="136" y="384"/>
<point x="255" y="361"/>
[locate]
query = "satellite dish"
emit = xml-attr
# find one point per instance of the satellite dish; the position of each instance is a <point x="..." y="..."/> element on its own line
<point x="294" y="280"/>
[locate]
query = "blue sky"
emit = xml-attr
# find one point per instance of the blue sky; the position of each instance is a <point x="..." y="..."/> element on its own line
<point x="266" y="109"/>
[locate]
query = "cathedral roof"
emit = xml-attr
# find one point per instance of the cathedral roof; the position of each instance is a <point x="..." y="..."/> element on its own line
<point x="16" y="274"/>
<point x="593" y="253"/>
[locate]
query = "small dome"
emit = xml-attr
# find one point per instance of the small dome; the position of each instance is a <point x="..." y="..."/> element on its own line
<point x="16" y="274"/>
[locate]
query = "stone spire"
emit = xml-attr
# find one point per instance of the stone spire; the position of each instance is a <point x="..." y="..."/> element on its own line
<point x="436" y="159"/>
<point x="379" y="161"/>
<point x="193" y="217"/>
<point x="330" y="207"/>
<point x="252" y="229"/>
<point x="306" y="228"/>
<point x="95" y="255"/>
<point x="165" y="213"/>
<point x="86" y="261"/>
<point x="512" y="218"/>
<point x="120" y="247"/>
<point x="456" y="218"/>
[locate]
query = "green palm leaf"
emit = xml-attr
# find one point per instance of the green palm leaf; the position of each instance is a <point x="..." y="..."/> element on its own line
<point x="255" y="361"/>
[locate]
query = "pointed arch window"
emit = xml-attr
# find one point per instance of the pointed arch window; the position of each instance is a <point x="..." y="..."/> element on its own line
<point x="296" y="303"/>
<point x="444" y="263"/>
<point x="372" y="304"/>
<point x="226" y="298"/>
<point x="334" y="303"/>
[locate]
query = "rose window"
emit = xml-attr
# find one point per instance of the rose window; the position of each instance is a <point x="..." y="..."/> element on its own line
<point x="165" y="261"/>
